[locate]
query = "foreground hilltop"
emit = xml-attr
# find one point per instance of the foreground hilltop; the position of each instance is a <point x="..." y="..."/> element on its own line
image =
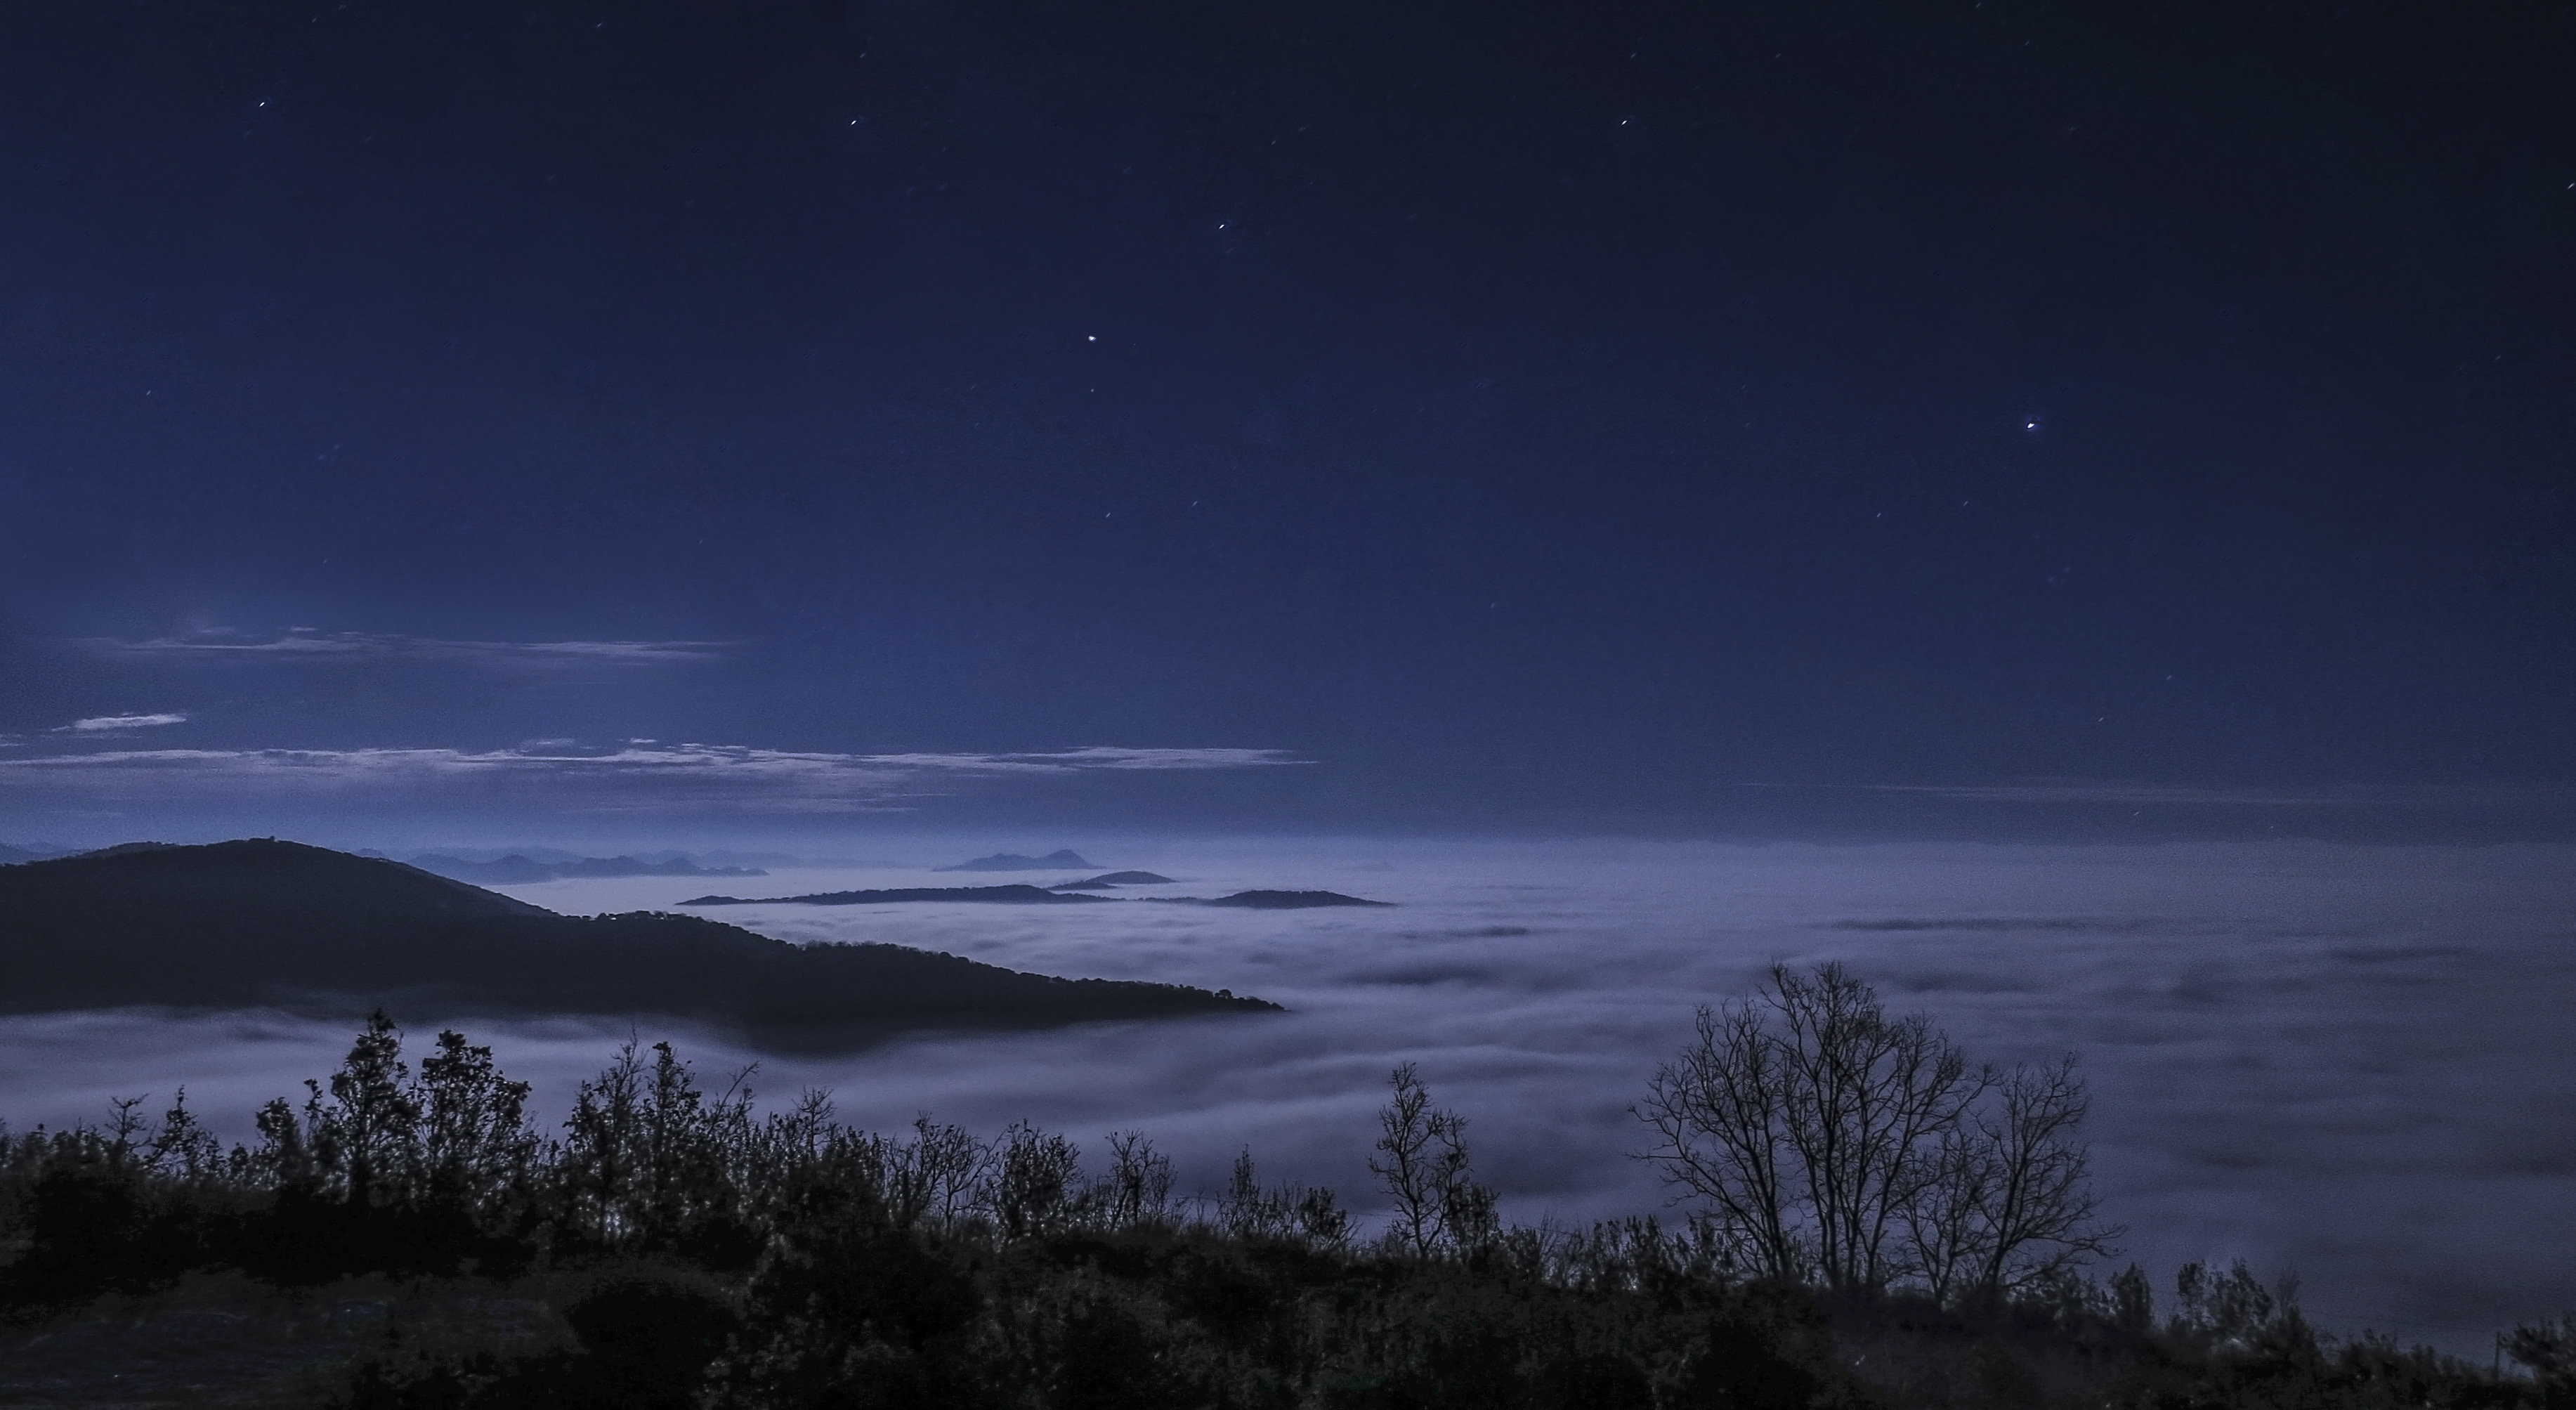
<point x="263" y="923"/>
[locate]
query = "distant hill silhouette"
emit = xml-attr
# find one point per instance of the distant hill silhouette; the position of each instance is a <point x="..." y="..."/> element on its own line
<point x="1039" y="896"/>
<point x="1286" y="900"/>
<point x="1013" y="861"/>
<point x="266" y="923"/>
<point x="1109" y="879"/>
<point x="1007" y="895"/>
<point x="516" y="869"/>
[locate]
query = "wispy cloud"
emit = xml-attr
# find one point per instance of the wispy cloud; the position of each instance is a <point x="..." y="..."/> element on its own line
<point x="634" y="775"/>
<point x="1092" y="758"/>
<point x="121" y="724"/>
<point x="305" y="643"/>
<point x="1104" y="757"/>
<point x="2079" y="791"/>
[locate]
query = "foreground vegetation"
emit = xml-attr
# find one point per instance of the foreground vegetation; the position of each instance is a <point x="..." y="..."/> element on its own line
<point x="1874" y="1223"/>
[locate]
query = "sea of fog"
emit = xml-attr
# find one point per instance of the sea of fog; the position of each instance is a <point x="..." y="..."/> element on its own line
<point x="2351" y="1062"/>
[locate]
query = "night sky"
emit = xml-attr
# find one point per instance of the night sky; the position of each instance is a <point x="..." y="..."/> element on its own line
<point x="1775" y="418"/>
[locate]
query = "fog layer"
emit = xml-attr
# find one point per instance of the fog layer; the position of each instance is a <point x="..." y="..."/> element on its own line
<point x="2345" y="1060"/>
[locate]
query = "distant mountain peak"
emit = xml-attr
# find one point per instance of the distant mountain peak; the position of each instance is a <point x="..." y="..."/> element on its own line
<point x="1057" y="860"/>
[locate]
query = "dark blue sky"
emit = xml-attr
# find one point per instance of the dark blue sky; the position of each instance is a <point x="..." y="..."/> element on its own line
<point x="1532" y="416"/>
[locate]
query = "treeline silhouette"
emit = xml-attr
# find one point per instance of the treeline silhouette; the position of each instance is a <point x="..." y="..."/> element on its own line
<point x="732" y="1256"/>
<point x="267" y="923"/>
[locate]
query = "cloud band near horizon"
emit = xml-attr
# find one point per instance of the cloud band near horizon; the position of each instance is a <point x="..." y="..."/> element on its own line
<point x="636" y="775"/>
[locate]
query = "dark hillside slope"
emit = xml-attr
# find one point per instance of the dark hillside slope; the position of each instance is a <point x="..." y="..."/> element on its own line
<point x="264" y="923"/>
<point x="262" y="877"/>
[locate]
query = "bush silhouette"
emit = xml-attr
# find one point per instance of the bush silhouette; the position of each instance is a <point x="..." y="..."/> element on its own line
<point x="726" y="1255"/>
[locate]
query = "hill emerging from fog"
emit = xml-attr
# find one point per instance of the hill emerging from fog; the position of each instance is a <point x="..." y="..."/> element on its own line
<point x="1039" y="896"/>
<point x="263" y="923"/>
<point x="1001" y="895"/>
<point x="1056" y="860"/>
<point x="1276" y="900"/>
<point x="1107" y="880"/>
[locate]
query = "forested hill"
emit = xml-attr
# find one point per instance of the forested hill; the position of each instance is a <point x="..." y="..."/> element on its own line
<point x="268" y="923"/>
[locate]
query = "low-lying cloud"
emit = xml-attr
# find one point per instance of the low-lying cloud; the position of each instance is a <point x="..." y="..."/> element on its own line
<point x="2344" y="1059"/>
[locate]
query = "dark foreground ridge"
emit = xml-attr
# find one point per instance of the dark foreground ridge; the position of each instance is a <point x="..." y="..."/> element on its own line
<point x="278" y="924"/>
<point x="1038" y="896"/>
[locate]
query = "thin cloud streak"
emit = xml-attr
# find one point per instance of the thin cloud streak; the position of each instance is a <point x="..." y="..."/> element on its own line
<point x="2080" y="791"/>
<point x="121" y="724"/>
<point x="1094" y="757"/>
<point x="633" y="776"/>
<point x="305" y="644"/>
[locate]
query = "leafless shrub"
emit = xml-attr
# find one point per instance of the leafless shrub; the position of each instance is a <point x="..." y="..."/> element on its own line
<point x="1138" y="1187"/>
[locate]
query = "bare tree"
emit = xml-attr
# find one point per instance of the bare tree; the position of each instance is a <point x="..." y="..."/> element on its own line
<point x="1831" y="1142"/>
<point x="1405" y="1140"/>
<point x="1252" y="1212"/>
<point x="1946" y="1225"/>
<point x="1869" y="1098"/>
<point x="935" y="1175"/>
<point x="2037" y="1220"/>
<point x="1138" y="1187"/>
<point x="1321" y="1218"/>
<point x="1037" y="1178"/>
<point x="1427" y="1170"/>
<point x="1720" y="1113"/>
